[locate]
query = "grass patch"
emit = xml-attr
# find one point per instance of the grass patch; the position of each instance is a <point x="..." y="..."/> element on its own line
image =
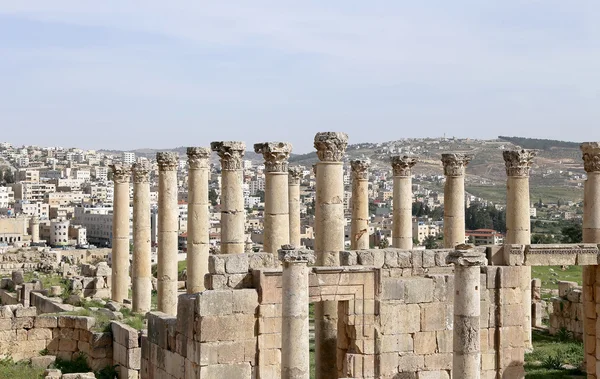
<point x="549" y="356"/>
<point x="77" y="365"/>
<point x="19" y="370"/>
<point x="551" y="275"/>
<point x="549" y="194"/>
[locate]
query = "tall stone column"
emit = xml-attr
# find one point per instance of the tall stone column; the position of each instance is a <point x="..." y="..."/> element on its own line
<point x="142" y="248"/>
<point x="198" y="242"/>
<point x="359" y="227"/>
<point x="518" y="223"/>
<point x="233" y="217"/>
<point x="120" y="231"/>
<point x="454" y="198"/>
<point x="329" y="241"/>
<point x="295" y="358"/>
<point x="168" y="231"/>
<point x="276" y="216"/>
<point x="34" y="225"/>
<point x="591" y="234"/>
<point x="294" y="177"/>
<point x="402" y="237"/>
<point x="466" y="358"/>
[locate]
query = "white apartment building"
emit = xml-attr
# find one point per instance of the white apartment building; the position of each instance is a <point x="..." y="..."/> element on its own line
<point x="422" y="230"/>
<point x="28" y="175"/>
<point x="100" y="173"/>
<point x="32" y="191"/>
<point x="98" y="223"/>
<point x="59" y="233"/>
<point x="38" y="209"/>
<point x="7" y="197"/>
<point x="81" y="174"/>
<point x="128" y="157"/>
<point x="256" y="185"/>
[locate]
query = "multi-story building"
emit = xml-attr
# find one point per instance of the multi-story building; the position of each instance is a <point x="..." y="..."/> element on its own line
<point x="484" y="237"/>
<point x="128" y="157"/>
<point x="424" y="229"/>
<point x="28" y="175"/>
<point x="7" y="197"/>
<point x="98" y="223"/>
<point x="59" y="232"/>
<point x="32" y="191"/>
<point x="27" y="208"/>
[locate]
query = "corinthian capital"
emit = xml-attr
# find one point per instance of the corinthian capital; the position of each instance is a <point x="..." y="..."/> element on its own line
<point x="167" y="161"/>
<point x="455" y="163"/>
<point x="463" y="256"/>
<point x="518" y="162"/>
<point x="198" y="157"/>
<point x="141" y="172"/>
<point x="230" y="152"/>
<point x="402" y="165"/>
<point x="276" y="155"/>
<point x="331" y="146"/>
<point x="360" y="168"/>
<point x="291" y="254"/>
<point x="591" y="156"/>
<point x="120" y="173"/>
<point x="294" y="175"/>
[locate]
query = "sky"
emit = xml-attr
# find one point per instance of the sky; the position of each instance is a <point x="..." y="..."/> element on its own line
<point x="134" y="74"/>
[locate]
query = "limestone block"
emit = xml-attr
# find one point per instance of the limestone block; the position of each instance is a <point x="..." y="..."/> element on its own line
<point x="428" y="258"/>
<point x="225" y="328"/>
<point x="214" y="302"/>
<point x="269" y="341"/>
<point x="39" y="334"/>
<point x="174" y="364"/>
<point x="269" y="310"/>
<point x="236" y="263"/>
<point x="564" y="287"/>
<point x="435" y="316"/>
<point x="410" y="362"/>
<point x="418" y="290"/>
<point x="217" y="282"/>
<point x="438" y="362"/>
<point x="431" y="374"/>
<point x="67" y="345"/>
<point x="392" y="289"/>
<point x="216" y="264"/>
<point x="443" y="287"/>
<point x="370" y="258"/>
<point x="348" y="258"/>
<point x="262" y="260"/>
<point x="26" y="312"/>
<point x="22" y="322"/>
<point x="425" y="343"/>
<point x="388" y="364"/>
<point x="238" y="281"/>
<point x="238" y="370"/>
<point x="6" y="324"/>
<point x="17" y="278"/>
<point x="52" y="373"/>
<point x="245" y="301"/>
<point x="43" y="361"/>
<point x="134" y="356"/>
<point x="85" y="323"/>
<point x="511" y="315"/>
<point x="398" y="318"/>
<point x="125" y="335"/>
<point x="103" y="269"/>
<point x="233" y="352"/>
<point x="186" y="309"/>
<point x="509" y="277"/>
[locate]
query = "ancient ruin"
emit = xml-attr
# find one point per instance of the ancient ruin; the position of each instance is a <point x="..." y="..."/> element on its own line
<point x="395" y="312"/>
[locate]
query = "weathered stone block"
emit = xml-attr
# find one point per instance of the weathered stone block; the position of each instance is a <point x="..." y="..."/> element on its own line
<point x="392" y="289"/>
<point x="214" y="302"/>
<point x="425" y="343"/>
<point x="418" y="290"/>
<point x="236" y="263"/>
<point x="245" y="301"/>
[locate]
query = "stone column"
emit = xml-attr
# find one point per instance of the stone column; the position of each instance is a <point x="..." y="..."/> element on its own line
<point x="34" y="225"/>
<point x="120" y="234"/>
<point x="329" y="241"/>
<point x="198" y="242"/>
<point x="168" y="231"/>
<point x="295" y="358"/>
<point x="276" y="216"/>
<point x="359" y="227"/>
<point x="518" y="223"/>
<point x="233" y="218"/>
<point x="591" y="234"/>
<point x="142" y="247"/>
<point x="466" y="358"/>
<point x="454" y="198"/>
<point x="294" y="177"/>
<point x="402" y="237"/>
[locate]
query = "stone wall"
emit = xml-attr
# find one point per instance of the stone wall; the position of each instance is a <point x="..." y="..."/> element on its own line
<point x="567" y="310"/>
<point x="396" y="308"/>
<point x="127" y="352"/>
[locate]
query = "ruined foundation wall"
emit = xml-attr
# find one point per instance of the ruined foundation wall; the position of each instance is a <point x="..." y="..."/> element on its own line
<point x="567" y="310"/>
<point x="395" y="306"/>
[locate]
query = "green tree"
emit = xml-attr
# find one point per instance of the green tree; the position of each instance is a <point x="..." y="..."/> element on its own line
<point x="384" y="243"/>
<point x="212" y="197"/>
<point x="261" y="195"/>
<point x="572" y="233"/>
<point x="430" y="242"/>
<point x="9" y="177"/>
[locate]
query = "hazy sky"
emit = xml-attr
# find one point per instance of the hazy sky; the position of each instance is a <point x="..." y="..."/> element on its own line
<point x="154" y="73"/>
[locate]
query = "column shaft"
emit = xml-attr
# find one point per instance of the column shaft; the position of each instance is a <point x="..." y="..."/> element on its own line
<point x="329" y="241"/>
<point x="233" y="214"/>
<point x="120" y="237"/>
<point x="294" y="205"/>
<point x="277" y="219"/>
<point x="142" y="262"/>
<point x="518" y="223"/>
<point x="168" y="228"/>
<point x="295" y="355"/>
<point x="359" y="227"/>
<point x="402" y="213"/>
<point x="198" y="242"/>
<point x="454" y="211"/>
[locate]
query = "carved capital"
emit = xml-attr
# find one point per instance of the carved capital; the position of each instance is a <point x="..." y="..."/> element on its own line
<point x="276" y="155"/>
<point x="141" y="173"/>
<point x="292" y="254"/>
<point x="230" y="152"/>
<point x="294" y="175"/>
<point x="167" y="161"/>
<point x="360" y="168"/>
<point x="402" y="165"/>
<point x="198" y="157"/>
<point x="518" y="162"/>
<point x="331" y="146"/>
<point x="120" y="173"/>
<point x="467" y="256"/>
<point x="591" y="156"/>
<point x="455" y="163"/>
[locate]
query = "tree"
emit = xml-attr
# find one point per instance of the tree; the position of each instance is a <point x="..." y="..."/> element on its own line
<point x="430" y="242"/>
<point x="9" y="177"/>
<point x="212" y="197"/>
<point x="261" y="195"/>
<point x="384" y="243"/>
<point x="572" y="233"/>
